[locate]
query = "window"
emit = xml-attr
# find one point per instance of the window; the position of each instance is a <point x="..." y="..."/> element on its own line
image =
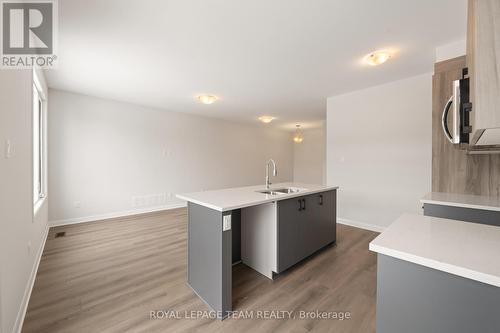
<point x="39" y="174"/>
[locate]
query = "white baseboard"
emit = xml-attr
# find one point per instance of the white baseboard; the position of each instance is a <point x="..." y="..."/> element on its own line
<point x="18" y="326"/>
<point x="114" y="215"/>
<point x="366" y="226"/>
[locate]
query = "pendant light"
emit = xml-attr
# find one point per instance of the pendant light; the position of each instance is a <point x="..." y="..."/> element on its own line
<point x="298" y="137"/>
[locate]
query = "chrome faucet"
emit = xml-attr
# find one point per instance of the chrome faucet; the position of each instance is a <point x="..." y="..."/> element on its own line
<point x="275" y="172"/>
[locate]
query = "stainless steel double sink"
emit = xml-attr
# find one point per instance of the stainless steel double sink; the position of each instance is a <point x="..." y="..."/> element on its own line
<point x="285" y="190"/>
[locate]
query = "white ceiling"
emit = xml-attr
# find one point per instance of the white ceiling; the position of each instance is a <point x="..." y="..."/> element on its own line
<point x="275" y="57"/>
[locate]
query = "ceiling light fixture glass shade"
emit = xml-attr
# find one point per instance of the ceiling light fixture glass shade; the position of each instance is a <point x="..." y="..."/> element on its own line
<point x="298" y="137"/>
<point x="377" y="58"/>
<point x="207" y="99"/>
<point x="266" y="119"/>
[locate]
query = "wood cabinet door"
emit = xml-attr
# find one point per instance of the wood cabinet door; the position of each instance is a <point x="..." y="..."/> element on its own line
<point x="483" y="60"/>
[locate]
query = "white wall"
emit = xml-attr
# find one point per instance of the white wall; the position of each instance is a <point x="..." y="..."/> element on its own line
<point x="451" y="50"/>
<point x="21" y="233"/>
<point x="105" y="153"/>
<point x="379" y="150"/>
<point x="309" y="157"/>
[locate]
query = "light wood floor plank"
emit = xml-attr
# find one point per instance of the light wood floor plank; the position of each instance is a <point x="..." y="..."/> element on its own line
<point x="107" y="276"/>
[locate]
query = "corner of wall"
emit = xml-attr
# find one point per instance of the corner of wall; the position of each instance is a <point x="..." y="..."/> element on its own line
<point x="23" y="229"/>
<point x="451" y="50"/>
<point x="31" y="282"/>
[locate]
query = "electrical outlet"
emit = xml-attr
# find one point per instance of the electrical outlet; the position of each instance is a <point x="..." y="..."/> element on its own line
<point x="137" y="201"/>
<point x="166" y="152"/>
<point x="77" y="204"/>
<point x="29" y="247"/>
<point x="226" y="222"/>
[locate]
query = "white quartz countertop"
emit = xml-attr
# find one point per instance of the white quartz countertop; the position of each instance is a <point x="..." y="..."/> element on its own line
<point x="240" y="197"/>
<point x="462" y="200"/>
<point x="470" y="250"/>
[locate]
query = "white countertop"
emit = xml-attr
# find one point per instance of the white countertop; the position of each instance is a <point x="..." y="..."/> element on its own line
<point x="462" y="200"/>
<point x="470" y="250"/>
<point x="240" y="197"/>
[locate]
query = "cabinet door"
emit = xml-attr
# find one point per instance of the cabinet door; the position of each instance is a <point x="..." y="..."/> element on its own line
<point x="308" y="227"/>
<point x="305" y="228"/>
<point x="304" y="234"/>
<point x="483" y="60"/>
<point x="318" y="226"/>
<point x="289" y="247"/>
<point x="327" y="219"/>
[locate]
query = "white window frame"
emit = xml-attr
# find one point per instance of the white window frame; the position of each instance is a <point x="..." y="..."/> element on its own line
<point x="39" y="129"/>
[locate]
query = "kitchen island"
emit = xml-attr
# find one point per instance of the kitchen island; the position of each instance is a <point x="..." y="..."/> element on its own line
<point x="269" y="230"/>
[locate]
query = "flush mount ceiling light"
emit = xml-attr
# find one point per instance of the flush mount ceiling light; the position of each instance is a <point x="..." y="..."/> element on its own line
<point x="378" y="57"/>
<point x="207" y="99"/>
<point x="266" y="119"/>
<point x="298" y="137"/>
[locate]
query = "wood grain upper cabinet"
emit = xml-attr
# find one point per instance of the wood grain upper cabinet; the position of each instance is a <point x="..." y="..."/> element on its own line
<point x="483" y="61"/>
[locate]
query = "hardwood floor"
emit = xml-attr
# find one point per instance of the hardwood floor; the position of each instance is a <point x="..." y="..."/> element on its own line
<point x="107" y="276"/>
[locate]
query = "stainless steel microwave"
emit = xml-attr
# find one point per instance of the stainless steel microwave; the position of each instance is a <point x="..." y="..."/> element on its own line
<point x="458" y="128"/>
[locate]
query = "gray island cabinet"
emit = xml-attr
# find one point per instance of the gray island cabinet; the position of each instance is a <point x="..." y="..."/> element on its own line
<point x="267" y="232"/>
<point x="305" y="224"/>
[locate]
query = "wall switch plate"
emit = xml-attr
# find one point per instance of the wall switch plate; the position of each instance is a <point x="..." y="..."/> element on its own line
<point x="226" y="222"/>
<point x="8" y="149"/>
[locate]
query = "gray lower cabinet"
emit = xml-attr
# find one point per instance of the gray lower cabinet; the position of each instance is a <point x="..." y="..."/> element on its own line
<point x="483" y="216"/>
<point x="289" y="213"/>
<point x="413" y="298"/>
<point x="305" y="225"/>
<point x="323" y="223"/>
